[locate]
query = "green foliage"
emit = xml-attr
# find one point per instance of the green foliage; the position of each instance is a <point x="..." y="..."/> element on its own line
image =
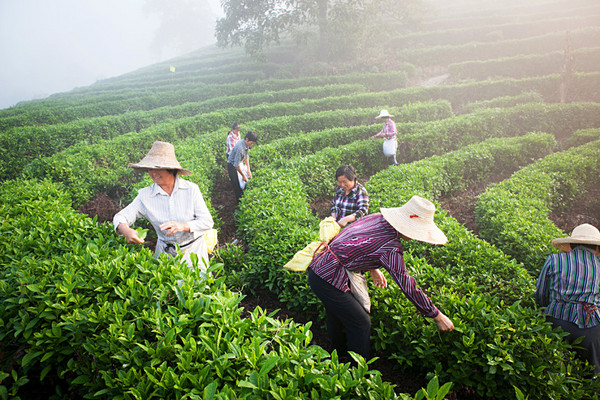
<point x="487" y="294"/>
<point x="551" y="184"/>
<point x="506" y="101"/>
<point x="81" y="309"/>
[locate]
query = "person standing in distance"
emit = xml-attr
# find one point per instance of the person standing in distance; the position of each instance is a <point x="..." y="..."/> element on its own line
<point x="238" y="162"/>
<point x="233" y="136"/>
<point x="390" y="145"/>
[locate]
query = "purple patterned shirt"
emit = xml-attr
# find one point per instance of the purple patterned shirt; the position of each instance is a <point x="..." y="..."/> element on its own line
<point x="370" y="243"/>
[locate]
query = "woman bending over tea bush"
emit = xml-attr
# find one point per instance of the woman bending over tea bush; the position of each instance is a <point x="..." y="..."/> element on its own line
<point x="370" y="243"/>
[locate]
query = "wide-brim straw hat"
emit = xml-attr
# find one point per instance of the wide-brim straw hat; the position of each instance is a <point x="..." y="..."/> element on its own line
<point x="415" y="220"/>
<point x="582" y="234"/>
<point x="384" y="114"/>
<point x="160" y="156"/>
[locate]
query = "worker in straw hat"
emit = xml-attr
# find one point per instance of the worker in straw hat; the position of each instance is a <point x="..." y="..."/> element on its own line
<point x="372" y="242"/>
<point x="569" y="288"/>
<point x="174" y="206"/>
<point x="390" y="144"/>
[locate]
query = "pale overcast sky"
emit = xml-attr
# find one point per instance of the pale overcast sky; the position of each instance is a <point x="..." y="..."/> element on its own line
<point x="50" y="46"/>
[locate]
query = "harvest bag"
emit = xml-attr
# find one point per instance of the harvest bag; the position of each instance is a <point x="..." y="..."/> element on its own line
<point x="328" y="228"/>
<point x="389" y="147"/>
<point x="358" y="288"/>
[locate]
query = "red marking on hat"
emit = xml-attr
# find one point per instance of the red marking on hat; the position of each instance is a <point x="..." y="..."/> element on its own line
<point x="414" y="216"/>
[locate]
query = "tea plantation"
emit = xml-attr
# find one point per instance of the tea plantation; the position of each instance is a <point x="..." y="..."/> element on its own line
<point x="502" y="100"/>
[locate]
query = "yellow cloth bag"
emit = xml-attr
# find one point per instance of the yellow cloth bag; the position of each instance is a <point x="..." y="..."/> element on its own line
<point x="211" y="240"/>
<point x="328" y="228"/>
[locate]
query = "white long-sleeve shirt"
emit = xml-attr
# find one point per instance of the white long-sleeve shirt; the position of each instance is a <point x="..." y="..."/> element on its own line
<point x="185" y="204"/>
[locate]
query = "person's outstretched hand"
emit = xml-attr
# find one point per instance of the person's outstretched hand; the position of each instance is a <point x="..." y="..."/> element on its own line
<point x="378" y="278"/>
<point x="443" y="322"/>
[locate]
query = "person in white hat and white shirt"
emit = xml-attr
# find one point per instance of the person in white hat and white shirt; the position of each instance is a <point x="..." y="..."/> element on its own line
<point x="569" y="289"/>
<point x="174" y="206"/>
<point x="372" y="242"/>
<point x="390" y="144"/>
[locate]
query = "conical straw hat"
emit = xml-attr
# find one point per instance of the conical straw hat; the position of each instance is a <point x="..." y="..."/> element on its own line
<point x="160" y="156"/>
<point x="384" y="114"/>
<point x="415" y="220"/>
<point x="582" y="234"/>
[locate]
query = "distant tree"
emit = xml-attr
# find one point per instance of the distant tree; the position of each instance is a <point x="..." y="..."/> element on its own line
<point x="340" y="27"/>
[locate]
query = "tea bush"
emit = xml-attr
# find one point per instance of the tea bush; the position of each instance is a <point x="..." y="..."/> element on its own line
<point x="552" y="183"/>
<point x="83" y="312"/>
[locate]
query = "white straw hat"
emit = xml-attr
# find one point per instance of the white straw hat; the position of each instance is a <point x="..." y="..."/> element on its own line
<point x="582" y="234"/>
<point x="160" y="156"/>
<point x="415" y="220"/>
<point x="384" y="114"/>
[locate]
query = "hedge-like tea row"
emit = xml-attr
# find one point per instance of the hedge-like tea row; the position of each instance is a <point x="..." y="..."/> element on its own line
<point x="314" y="176"/>
<point x="87" y="169"/>
<point x="452" y="17"/>
<point x="185" y="92"/>
<point x="46" y="115"/>
<point x="498" y="343"/>
<point x="503" y="102"/>
<point x="446" y="135"/>
<point x="42" y="142"/>
<point x="584" y="60"/>
<point x="491" y="33"/>
<point x="581" y="38"/>
<point x="83" y="313"/>
<point x="550" y="184"/>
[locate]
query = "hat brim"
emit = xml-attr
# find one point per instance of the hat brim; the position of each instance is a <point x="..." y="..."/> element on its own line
<point x="384" y="116"/>
<point x="565" y="244"/>
<point x="416" y="229"/>
<point x="145" y="168"/>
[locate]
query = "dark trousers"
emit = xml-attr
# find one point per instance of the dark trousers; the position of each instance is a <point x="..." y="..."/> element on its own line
<point x="344" y="312"/>
<point x="589" y="348"/>
<point x="235" y="183"/>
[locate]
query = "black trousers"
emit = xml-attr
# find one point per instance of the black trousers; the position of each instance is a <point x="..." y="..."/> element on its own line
<point x="344" y="313"/>
<point x="235" y="183"/>
<point x="589" y="348"/>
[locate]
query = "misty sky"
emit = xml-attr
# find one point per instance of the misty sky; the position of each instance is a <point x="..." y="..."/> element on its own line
<point x="50" y="46"/>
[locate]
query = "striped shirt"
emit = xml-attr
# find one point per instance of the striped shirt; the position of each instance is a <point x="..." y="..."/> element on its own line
<point x="185" y="204"/>
<point x="569" y="287"/>
<point x="356" y="202"/>
<point x="388" y="131"/>
<point x="232" y="139"/>
<point x="370" y="243"/>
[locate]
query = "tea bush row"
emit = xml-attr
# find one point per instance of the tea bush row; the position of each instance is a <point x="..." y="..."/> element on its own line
<point x="75" y="166"/>
<point x="495" y="32"/>
<point x="38" y="141"/>
<point x="550" y="185"/>
<point x="52" y="115"/>
<point x="286" y="225"/>
<point x="81" y="312"/>
<point x="153" y="97"/>
<point x="503" y="102"/>
<point x="522" y="66"/>
<point x="438" y="137"/>
<point x="581" y="38"/>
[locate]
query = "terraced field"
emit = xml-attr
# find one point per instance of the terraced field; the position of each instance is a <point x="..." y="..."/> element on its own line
<point x="498" y="114"/>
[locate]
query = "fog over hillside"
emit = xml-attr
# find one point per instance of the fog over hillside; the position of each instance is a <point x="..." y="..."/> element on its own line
<point x="48" y="47"/>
